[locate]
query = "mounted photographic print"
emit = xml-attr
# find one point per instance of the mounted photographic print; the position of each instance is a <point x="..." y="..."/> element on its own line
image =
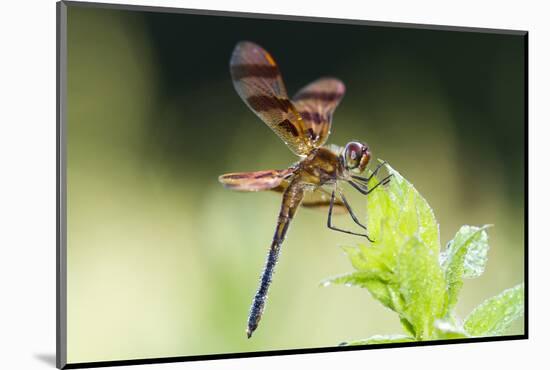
<point x="236" y="185"/>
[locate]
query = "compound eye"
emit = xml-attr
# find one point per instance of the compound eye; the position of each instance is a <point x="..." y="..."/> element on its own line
<point x="353" y="154"/>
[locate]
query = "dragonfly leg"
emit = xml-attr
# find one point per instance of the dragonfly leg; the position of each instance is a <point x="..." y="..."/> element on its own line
<point x="364" y="189"/>
<point x="367" y="179"/>
<point x="348" y="207"/>
<point x="329" y="221"/>
<point x="384" y="181"/>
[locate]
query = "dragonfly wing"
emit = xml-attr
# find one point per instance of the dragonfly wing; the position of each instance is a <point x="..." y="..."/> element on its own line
<point x="255" y="181"/>
<point x="316" y="104"/>
<point x="258" y="82"/>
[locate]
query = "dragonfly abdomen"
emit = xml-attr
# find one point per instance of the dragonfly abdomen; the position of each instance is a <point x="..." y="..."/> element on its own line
<point x="258" y="304"/>
<point x="292" y="198"/>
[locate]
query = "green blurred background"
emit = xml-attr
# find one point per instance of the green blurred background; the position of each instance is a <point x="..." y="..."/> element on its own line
<point x="163" y="261"/>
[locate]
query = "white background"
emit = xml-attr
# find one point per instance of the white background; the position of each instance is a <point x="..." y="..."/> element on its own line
<point x="27" y="181"/>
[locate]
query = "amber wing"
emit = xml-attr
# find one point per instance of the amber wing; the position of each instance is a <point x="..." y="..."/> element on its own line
<point x="258" y="82"/>
<point x="316" y="104"/>
<point x="257" y="180"/>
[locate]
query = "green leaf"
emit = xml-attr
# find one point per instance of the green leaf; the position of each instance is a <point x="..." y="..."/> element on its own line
<point x="422" y="285"/>
<point x="379" y="339"/>
<point x="397" y="212"/>
<point x="407" y="326"/>
<point x="404" y="270"/>
<point x="465" y="256"/>
<point x="369" y="260"/>
<point x="476" y="257"/>
<point x="401" y="268"/>
<point x="496" y="314"/>
<point x="380" y="290"/>
<point x="358" y="279"/>
<point x="448" y="330"/>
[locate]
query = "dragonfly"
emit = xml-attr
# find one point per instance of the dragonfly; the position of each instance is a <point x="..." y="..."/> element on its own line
<point x="304" y="124"/>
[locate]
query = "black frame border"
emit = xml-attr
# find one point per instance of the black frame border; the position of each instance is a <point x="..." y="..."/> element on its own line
<point x="61" y="185"/>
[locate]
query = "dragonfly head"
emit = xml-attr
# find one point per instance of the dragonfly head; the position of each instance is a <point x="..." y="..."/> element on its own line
<point x="356" y="156"/>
